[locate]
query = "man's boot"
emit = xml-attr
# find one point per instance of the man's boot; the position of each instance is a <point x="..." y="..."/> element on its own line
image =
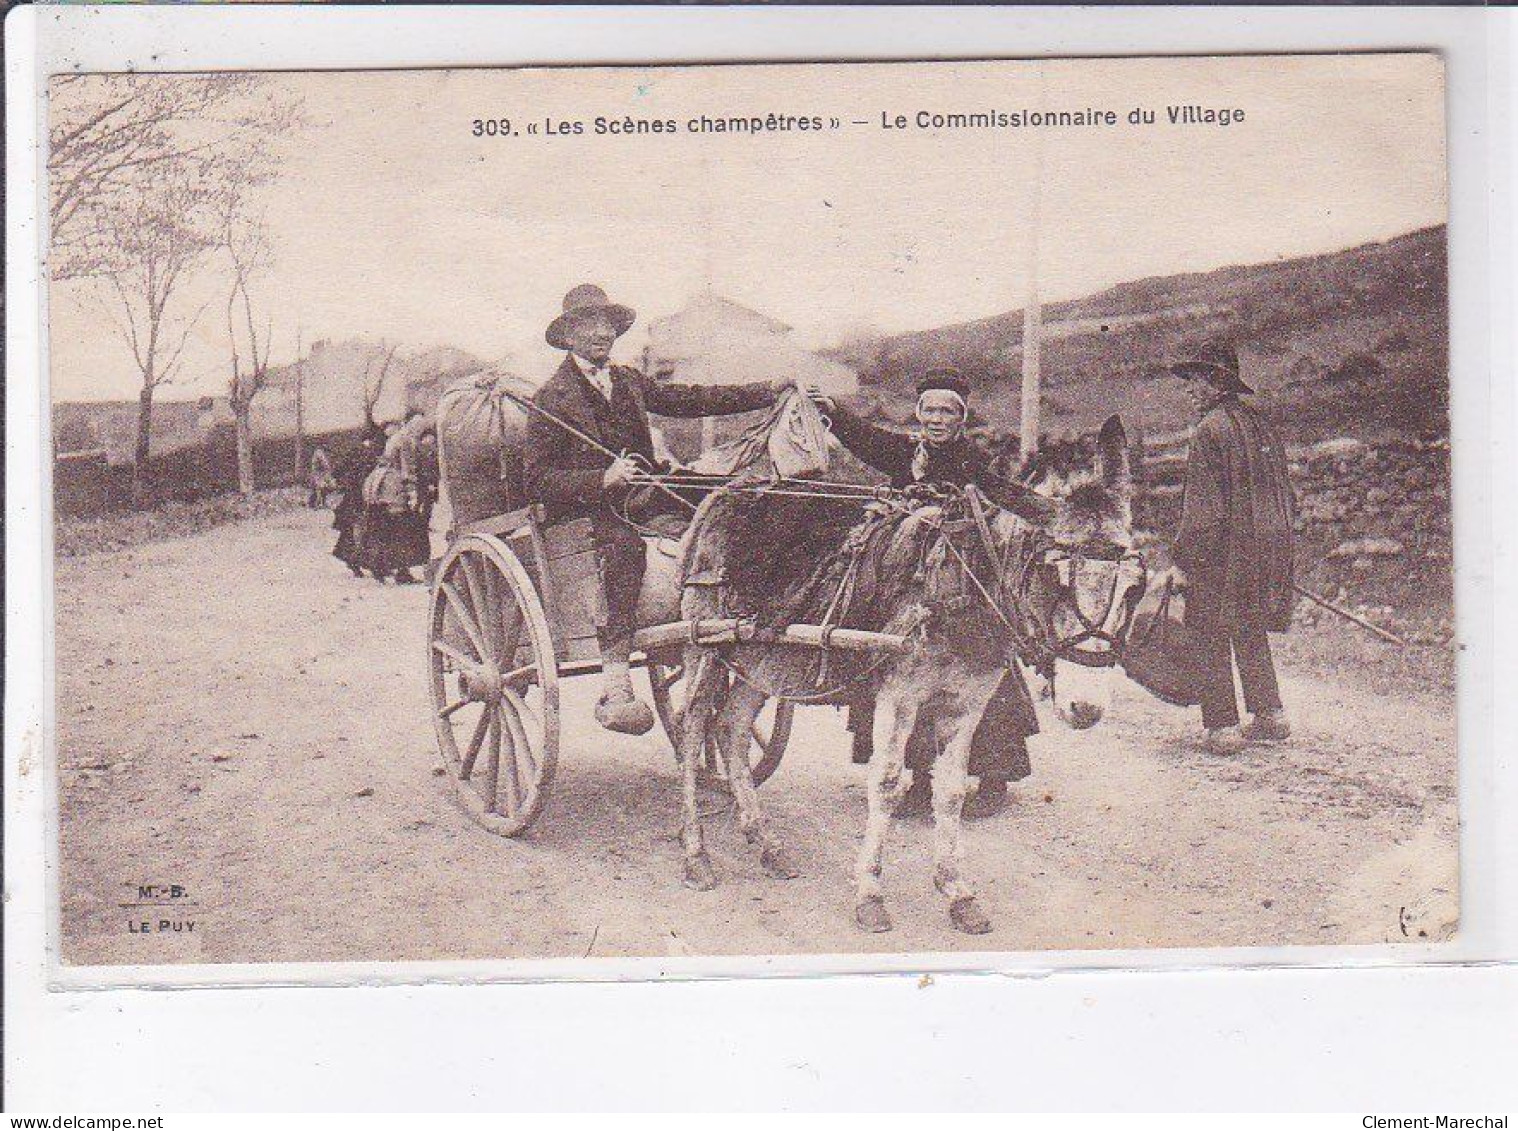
<point x="990" y="798"/>
<point x="1268" y="726"/>
<point x="619" y="709"/>
<point x="622" y="711"/>
<point x="1224" y="741"/>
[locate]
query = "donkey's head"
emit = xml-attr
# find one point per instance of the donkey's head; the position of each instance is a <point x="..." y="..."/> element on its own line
<point x="1074" y="578"/>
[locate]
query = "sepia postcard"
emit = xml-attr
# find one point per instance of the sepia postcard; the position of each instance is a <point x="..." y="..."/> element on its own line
<point x="870" y="509"/>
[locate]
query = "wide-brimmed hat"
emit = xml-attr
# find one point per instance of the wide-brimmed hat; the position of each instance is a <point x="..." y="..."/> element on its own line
<point x="944" y="377"/>
<point x="1216" y="362"/>
<point x="584" y="300"/>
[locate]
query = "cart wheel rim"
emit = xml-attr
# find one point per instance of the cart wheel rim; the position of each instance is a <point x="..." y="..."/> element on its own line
<point x="771" y="732"/>
<point x="493" y="680"/>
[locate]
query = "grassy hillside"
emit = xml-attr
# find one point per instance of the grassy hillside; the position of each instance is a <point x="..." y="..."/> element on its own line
<point x="1349" y="343"/>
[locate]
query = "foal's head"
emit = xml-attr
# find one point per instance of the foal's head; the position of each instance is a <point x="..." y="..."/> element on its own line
<point x="1077" y="579"/>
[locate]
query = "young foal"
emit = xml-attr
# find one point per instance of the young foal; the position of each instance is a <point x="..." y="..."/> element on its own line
<point x="968" y="594"/>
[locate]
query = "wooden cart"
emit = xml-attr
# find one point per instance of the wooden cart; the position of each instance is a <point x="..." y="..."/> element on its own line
<point x="509" y="616"/>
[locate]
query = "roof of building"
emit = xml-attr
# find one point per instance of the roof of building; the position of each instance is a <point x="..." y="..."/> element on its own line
<point x="708" y="312"/>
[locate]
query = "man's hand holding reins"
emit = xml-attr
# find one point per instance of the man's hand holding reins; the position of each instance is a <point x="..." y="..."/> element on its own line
<point x="1174" y="576"/>
<point x="620" y="473"/>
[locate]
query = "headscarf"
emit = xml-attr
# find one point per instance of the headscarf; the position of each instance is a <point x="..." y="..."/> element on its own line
<point x="922" y="455"/>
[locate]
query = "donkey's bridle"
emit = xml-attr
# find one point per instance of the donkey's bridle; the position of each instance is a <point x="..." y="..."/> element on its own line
<point x="1035" y="641"/>
<point x="1041" y="554"/>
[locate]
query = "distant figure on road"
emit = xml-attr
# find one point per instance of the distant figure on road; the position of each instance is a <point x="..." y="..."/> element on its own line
<point x="1234" y="550"/>
<point x="320" y="479"/>
<point x="349" y="512"/>
<point x="394" y="536"/>
<point x="427" y="474"/>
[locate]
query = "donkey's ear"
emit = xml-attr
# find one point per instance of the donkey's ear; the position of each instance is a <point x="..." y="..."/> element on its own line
<point x="1112" y="456"/>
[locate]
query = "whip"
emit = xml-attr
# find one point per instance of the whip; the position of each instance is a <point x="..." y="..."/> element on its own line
<point x="530" y="406"/>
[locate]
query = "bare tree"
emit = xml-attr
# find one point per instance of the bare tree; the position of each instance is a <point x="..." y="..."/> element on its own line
<point x="112" y="135"/>
<point x="143" y="172"/>
<point x="150" y="244"/>
<point x="372" y="384"/>
<point x="245" y="240"/>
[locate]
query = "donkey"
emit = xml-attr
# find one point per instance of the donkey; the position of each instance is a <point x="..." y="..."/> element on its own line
<point x="971" y="587"/>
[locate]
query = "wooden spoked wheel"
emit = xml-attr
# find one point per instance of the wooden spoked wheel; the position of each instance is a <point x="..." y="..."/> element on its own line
<point x="494" y="683"/>
<point x="771" y="731"/>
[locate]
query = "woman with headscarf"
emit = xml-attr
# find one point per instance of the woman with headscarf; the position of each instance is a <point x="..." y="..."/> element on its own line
<point x="395" y="537"/>
<point x="940" y="452"/>
<point x="348" y="514"/>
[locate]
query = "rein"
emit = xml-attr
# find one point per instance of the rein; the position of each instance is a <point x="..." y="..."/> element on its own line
<point x="792" y="488"/>
<point x="527" y="405"/>
<point x="1035" y="643"/>
<point x="1040" y="553"/>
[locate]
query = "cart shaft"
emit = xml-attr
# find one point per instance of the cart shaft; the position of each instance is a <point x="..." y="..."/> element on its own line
<point x="731" y="630"/>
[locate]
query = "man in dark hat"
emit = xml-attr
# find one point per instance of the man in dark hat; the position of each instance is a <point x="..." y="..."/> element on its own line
<point x="942" y="453"/>
<point x="1235" y="547"/>
<point x="575" y="478"/>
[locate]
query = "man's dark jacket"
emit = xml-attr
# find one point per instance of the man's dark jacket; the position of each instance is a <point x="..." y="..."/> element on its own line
<point x="564" y="472"/>
<point x="1236" y="539"/>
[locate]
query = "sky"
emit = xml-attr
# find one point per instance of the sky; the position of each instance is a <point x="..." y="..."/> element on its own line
<point x="391" y="220"/>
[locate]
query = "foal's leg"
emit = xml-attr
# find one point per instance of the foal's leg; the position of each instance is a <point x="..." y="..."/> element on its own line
<point x="894" y="719"/>
<point x="744" y="702"/>
<point x="950" y="783"/>
<point x="702" y="676"/>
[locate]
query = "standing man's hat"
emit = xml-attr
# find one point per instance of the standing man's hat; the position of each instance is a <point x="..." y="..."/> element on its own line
<point x="943" y="377"/>
<point x="1217" y="363"/>
<point x="584" y="300"/>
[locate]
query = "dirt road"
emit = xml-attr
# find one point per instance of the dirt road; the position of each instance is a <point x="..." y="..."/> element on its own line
<point x="239" y="717"/>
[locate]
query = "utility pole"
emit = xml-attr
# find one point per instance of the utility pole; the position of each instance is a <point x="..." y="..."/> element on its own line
<point x="1033" y="321"/>
<point x="1033" y="312"/>
<point x="300" y="408"/>
<point x="708" y="270"/>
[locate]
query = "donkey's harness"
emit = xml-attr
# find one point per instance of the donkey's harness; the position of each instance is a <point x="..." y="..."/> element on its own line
<point x="1035" y="554"/>
<point x="1009" y="593"/>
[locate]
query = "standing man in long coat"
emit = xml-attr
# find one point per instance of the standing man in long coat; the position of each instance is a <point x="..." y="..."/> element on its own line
<point x="1235" y="549"/>
<point x="576" y="478"/>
